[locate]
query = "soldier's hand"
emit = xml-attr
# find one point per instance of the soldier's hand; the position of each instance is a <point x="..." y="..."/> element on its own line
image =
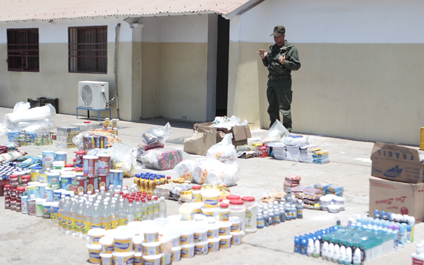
<point x="282" y="59"/>
<point x="262" y="53"/>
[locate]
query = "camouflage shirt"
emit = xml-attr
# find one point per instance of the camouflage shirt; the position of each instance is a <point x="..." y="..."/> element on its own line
<point x="276" y="69"/>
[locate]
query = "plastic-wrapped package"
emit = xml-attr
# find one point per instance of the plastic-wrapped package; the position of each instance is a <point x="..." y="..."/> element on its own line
<point x="95" y="139"/>
<point x="295" y="140"/>
<point x="223" y="151"/>
<point x="185" y="168"/>
<point x="155" y="137"/>
<point x="225" y="122"/>
<point x="227" y="174"/>
<point x="276" y="132"/>
<point x="98" y="151"/>
<point x="161" y="158"/>
<point x="122" y="159"/>
<point x="202" y="169"/>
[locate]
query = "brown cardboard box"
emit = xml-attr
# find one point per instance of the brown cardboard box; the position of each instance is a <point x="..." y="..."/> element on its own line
<point x="393" y="162"/>
<point x="240" y="133"/>
<point x="397" y="197"/>
<point x="200" y="142"/>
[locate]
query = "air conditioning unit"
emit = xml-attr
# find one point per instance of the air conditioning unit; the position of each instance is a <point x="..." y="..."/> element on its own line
<point x="93" y="94"/>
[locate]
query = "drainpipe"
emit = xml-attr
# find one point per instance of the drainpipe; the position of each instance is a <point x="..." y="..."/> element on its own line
<point x="115" y="66"/>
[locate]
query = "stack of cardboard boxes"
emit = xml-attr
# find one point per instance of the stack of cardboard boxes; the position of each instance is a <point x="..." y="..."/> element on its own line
<point x="397" y="183"/>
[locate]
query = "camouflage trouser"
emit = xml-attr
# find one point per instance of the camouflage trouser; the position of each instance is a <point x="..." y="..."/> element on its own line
<point x="279" y="98"/>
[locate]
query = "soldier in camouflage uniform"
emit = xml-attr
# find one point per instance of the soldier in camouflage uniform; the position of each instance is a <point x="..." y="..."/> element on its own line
<point x="281" y="59"/>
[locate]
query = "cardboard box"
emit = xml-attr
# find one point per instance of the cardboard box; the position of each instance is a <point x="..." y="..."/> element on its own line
<point x="393" y="162"/>
<point x="199" y="143"/>
<point x="397" y="197"/>
<point x="240" y="133"/>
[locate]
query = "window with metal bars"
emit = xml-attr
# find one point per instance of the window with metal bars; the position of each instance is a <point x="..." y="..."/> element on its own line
<point x="23" y="50"/>
<point x="87" y="49"/>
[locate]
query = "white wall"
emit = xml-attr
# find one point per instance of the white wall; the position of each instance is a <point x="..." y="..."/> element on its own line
<point x="336" y="21"/>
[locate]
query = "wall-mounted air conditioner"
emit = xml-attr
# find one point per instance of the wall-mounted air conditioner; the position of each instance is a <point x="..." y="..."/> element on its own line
<point x="93" y="94"/>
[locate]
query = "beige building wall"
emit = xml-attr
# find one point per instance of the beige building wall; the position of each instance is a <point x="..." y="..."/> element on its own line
<point x="357" y="80"/>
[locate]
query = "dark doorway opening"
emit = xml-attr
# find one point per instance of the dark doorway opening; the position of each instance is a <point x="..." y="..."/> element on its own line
<point x="222" y="66"/>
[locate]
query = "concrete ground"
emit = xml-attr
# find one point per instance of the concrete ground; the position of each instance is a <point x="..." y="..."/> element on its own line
<point x="26" y="239"/>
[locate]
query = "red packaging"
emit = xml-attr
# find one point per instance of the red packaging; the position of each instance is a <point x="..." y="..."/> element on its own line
<point x="90" y="166"/>
<point x="79" y="185"/>
<point x="7" y="191"/>
<point x="92" y="184"/>
<point x="7" y="202"/>
<point x="263" y="151"/>
<point x="12" y="193"/>
<point x="104" y="182"/>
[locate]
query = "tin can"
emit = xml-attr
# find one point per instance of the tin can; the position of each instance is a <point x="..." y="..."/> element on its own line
<point x="116" y="177"/>
<point x="7" y="203"/>
<point x="61" y="156"/>
<point x="14" y="181"/>
<point x="56" y="195"/>
<point x="49" y="194"/>
<point x="32" y="205"/>
<point x="42" y="190"/>
<point x="104" y="182"/>
<point x="104" y="165"/>
<point x="34" y="173"/>
<point x="18" y="206"/>
<point x="90" y="166"/>
<point x="25" y="180"/>
<point x="32" y="189"/>
<point x="79" y="185"/>
<point x="54" y="208"/>
<point x="46" y="210"/>
<point x="53" y="180"/>
<point x="42" y="177"/>
<point x="92" y="184"/>
<point x="13" y="193"/>
<point x="24" y="204"/>
<point x="66" y="181"/>
<point x="13" y="204"/>
<point x="47" y="158"/>
<point x="79" y="156"/>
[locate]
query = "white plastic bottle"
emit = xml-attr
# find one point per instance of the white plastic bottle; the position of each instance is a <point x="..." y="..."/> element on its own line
<point x="336" y="253"/>
<point x="96" y="217"/>
<point x="348" y="255"/>
<point x="310" y="248"/>
<point x="324" y="252"/>
<point x="357" y="257"/>
<point x="418" y="257"/>
<point x="330" y="251"/>
<point x="342" y="253"/>
<point x="162" y="208"/>
<point x="317" y="250"/>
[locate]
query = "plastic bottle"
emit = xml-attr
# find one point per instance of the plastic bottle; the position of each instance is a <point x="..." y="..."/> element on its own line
<point x="139" y="209"/>
<point x="402" y="235"/>
<point x="348" y="255"/>
<point x="336" y="252"/>
<point x="310" y="248"/>
<point x="162" y="208"/>
<point x="303" y="245"/>
<point x="155" y="208"/>
<point x="106" y="217"/>
<point x="293" y="211"/>
<point x="130" y="211"/>
<point x="330" y="251"/>
<point x="144" y="205"/>
<point x="324" y="251"/>
<point x="260" y="221"/>
<point x="296" y="244"/>
<point x="282" y="214"/>
<point x="342" y="253"/>
<point x="149" y="208"/>
<point x="317" y="248"/>
<point x="60" y="212"/>
<point x="376" y="214"/>
<point x="79" y="223"/>
<point x="299" y="209"/>
<point x="411" y="221"/>
<point x="287" y="211"/>
<point x="122" y="213"/>
<point x="65" y="214"/>
<point x="418" y="256"/>
<point x="357" y="257"/>
<point x="96" y="216"/>
<point x="271" y="217"/>
<point x="72" y="218"/>
<point x="276" y="216"/>
<point x="88" y="208"/>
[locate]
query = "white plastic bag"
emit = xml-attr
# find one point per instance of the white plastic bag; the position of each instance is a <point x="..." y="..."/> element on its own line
<point x="185" y="168"/>
<point x="123" y="159"/>
<point x="155" y="137"/>
<point x="276" y="132"/>
<point x="227" y="174"/>
<point x="223" y="151"/>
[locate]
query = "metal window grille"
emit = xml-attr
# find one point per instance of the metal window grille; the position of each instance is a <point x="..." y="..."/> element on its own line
<point x="23" y="50"/>
<point x="87" y="49"/>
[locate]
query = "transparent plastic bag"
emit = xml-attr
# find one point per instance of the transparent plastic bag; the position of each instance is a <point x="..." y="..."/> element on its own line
<point x="213" y="172"/>
<point x="155" y="137"/>
<point x="185" y="168"/>
<point x="296" y="140"/>
<point x="276" y="132"/>
<point x="161" y="158"/>
<point x="223" y="151"/>
<point x="122" y="159"/>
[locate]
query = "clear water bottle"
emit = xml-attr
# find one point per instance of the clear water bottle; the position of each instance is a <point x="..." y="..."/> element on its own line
<point x="60" y="212"/>
<point x="122" y="213"/>
<point x="144" y="214"/>
<point x="106" y="216"/>
<point x="162" y="208"/>
<point x="88" y="208"/>
<point x="96" y="216"/>
<point x="155" y="207"/>
<point x="79" y="224"/>
<point x="65" y="214"/>
<point x="72" y="217"/>
<point x="130" y="211"/>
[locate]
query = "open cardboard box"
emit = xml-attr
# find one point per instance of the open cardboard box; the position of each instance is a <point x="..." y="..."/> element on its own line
<point x="394" y="162"/>
<point x="240" y="132"/>
<point x="397" y="197"/>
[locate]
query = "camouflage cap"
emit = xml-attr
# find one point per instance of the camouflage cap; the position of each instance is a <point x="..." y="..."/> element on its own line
<point x="278" y="30"/>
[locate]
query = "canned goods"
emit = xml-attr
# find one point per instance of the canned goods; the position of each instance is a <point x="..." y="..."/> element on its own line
<point x="34" y="173"/>
<point x="24" y="204"/>
<point x="20" y="191"/>
<point x="116" y="177"/>
<point x="18" y="206"/>
<point x="49" y="194"/>
<point x="79" y="185"/>
<point x="6" y="191"/>
<point x="61" y="156"/>
<point x="66" y="181"/>
<point x="103" y="165"/>
<point x="13" y="204"/>
<point x="92" y="184"/>
<point x="12" y="193"/>
<point x="47" y="158"/>
<point x="79" y="157"/>
<point x="53" y="180"/>
<point x="14" y="181"/>
<point x="104" y="182"/>
<point x="25" y="180"/>
<point x="7" y="202"/>
<point x="90" y="165"/>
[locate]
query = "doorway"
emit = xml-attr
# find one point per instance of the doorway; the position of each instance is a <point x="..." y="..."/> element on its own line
<point x="223" y="46"/>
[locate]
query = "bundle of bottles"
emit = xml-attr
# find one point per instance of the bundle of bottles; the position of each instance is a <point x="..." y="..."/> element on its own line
<point x="363" y="239"/>
<point x="107" y="210"/>
<point x="288" y="208"/>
